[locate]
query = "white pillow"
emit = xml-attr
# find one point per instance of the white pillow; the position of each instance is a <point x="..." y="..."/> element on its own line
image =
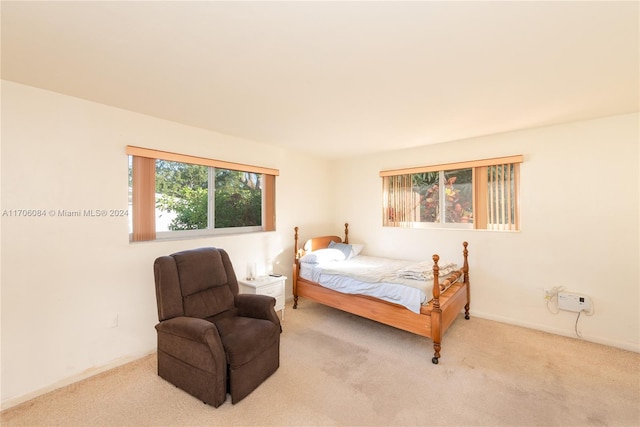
<point x="323" y="255"/>
<point x="356" y="248"/>
<point x="344" y="247"/>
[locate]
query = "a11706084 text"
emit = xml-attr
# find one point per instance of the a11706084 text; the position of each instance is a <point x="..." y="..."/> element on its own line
<point x="65" y="213"/>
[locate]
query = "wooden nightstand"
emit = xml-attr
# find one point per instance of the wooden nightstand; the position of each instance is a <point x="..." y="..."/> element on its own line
<point x="266" y="285"/>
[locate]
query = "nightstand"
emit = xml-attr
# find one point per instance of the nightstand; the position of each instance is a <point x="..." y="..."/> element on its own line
<point x="266" y="285"/>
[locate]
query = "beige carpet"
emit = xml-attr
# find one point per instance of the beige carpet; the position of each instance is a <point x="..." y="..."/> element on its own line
<point x="339" y="369"/>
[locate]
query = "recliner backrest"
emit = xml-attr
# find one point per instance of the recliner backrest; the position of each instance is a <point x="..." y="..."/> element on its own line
<point x="195" y="283"/>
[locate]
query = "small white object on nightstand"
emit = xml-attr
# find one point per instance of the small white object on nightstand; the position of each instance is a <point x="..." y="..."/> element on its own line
<point x="266" y="285"/>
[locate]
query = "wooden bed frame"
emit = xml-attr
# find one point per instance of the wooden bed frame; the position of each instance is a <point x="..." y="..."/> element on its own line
<point x="434" y="318"/>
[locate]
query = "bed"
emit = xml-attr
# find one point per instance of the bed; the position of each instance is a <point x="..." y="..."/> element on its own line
<point x="364" y="286"/>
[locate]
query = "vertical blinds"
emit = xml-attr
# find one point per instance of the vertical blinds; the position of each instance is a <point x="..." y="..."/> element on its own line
<point x="495" y="193"/>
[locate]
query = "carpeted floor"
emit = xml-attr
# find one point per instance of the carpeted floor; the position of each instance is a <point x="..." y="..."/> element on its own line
<point x="341" y="370"/>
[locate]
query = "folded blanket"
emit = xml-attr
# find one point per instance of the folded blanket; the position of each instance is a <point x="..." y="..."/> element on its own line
<point x="424" y="270"/>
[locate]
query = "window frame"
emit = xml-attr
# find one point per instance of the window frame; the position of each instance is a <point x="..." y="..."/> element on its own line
<point x="481" y="216"/>
<point x="143" y="195"/>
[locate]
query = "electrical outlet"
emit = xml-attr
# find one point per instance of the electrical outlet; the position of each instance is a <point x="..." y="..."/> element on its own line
<point x="113" y="321"/>
<point x="549" y="294"/>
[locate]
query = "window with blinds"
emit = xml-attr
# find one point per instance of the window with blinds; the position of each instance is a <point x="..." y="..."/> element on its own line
<point x="481" y="194"/>
<point x="175" y="195"/>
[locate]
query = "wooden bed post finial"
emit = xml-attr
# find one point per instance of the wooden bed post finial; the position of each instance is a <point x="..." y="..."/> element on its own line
<point x="295" y="246"/>
<point x="346" y="232"/>
<point x="465" y="265"/>
<point x="436" y="284"/>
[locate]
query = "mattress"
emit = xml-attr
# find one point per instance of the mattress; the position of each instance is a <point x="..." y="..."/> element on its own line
<point x="374" y="277"/>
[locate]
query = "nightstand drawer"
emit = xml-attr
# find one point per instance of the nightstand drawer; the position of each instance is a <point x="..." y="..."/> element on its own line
<point x="271" y="290"/>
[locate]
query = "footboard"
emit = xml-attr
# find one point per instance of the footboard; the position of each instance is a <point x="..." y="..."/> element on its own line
<point x="445" y="311"/>
<point x="364" y="306"/>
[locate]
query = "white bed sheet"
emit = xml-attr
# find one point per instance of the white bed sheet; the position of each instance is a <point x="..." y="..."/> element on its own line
<point x="371" y="276"/>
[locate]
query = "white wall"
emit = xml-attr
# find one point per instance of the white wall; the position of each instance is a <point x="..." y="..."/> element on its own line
<point x="579" y="186"/>
<point x="64" y="280"/>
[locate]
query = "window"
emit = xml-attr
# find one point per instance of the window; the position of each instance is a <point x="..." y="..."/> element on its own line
<point x="480" y="194"/>
<point x="174" y="195"/>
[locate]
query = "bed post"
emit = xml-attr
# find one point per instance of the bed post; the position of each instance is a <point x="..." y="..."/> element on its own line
<point x="436" y="312"/>
<point x="346" y="232"/>
<point x="295" y="268"/>
<point x="465" y="270"/>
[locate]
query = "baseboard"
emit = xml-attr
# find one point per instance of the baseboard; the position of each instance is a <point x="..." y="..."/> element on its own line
<point x="598" y="340"/>
<point x="73" y="379"/>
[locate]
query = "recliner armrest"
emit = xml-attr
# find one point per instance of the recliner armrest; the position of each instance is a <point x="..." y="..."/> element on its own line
<point x="258" y="307"/>
<point x="188" y="327"/>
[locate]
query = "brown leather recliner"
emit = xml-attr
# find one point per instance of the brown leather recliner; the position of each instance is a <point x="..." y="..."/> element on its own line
<point x="211" y="339"/>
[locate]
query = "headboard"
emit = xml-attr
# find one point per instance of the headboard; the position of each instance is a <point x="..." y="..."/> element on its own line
<point x="318" y="242"/>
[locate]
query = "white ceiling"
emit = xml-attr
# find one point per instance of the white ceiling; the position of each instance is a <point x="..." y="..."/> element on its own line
<point x="334" y="78"/>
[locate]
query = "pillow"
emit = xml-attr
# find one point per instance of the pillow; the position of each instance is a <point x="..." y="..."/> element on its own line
<point x="345" y="248"/>
<point x="323" y="255"/>
<point x="356" y="248"/>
